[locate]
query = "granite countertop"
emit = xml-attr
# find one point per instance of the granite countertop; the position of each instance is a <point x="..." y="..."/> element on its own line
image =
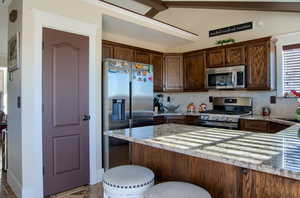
<point x="276" y="119"/>
<point x="277" y="154"/>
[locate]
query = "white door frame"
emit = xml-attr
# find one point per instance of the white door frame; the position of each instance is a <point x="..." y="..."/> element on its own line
<point x="53" y="21"/>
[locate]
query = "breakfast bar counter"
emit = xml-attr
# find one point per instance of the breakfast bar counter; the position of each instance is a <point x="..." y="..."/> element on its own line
<point x="277" y="154"/>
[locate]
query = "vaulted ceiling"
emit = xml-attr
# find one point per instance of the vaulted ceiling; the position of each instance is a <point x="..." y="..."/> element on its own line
<point x="269" y="17"/>
<point x="150" y="8"/>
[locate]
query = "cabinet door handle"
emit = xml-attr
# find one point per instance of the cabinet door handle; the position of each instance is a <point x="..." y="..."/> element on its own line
<point x="86" y="118"/>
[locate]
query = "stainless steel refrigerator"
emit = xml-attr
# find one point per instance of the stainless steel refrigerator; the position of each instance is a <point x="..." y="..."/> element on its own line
<point x="127" y="100"/>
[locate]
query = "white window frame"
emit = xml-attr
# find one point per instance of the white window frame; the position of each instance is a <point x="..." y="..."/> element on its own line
<point x="283" y="40"/>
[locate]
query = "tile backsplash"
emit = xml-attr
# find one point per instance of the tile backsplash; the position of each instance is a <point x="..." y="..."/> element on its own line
<point x="284" y="107"/>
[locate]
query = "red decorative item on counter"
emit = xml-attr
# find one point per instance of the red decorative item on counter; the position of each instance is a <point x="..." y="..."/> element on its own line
<point x="298" y="107"/>
<point x="295" y="93"/>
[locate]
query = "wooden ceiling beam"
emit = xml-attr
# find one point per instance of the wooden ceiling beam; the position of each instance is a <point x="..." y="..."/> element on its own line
<point x="234" y="5"/>
<point x="151" y="13"/>
<point x="156" y="4"/>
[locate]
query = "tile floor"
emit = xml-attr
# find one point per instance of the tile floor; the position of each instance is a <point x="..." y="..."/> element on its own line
<point x="95" y="191"/>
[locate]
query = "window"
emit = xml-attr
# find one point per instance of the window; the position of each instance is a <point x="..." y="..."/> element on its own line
<point x="291" y="68"/>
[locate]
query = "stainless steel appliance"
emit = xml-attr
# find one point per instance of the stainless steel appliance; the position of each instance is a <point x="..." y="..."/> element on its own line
<point x="226" y="77"/>
<point x="128" y="94"/>
<point x="127" y="102"/>
<point x="226" y="112"/>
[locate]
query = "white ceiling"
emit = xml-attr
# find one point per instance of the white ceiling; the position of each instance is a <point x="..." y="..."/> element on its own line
<point x="201" y="21"/>
<point x="127" y="29"/>
<point x="131" y="5"/>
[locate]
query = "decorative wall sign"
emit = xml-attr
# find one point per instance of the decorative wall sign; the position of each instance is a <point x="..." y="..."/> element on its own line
<point x="13" y="59"/>
<point x="231" y="29"/>
<point x="13" y="15"/>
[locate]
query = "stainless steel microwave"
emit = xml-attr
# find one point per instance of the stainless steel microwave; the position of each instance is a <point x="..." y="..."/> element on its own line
<point x="226" y="77"/>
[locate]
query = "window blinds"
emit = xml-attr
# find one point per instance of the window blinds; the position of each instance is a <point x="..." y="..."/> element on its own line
<point x="291" y="67"/>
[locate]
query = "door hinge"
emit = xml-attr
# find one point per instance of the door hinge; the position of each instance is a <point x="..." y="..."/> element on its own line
<point x="43" y="45"/>
<point x="44" y="170"/>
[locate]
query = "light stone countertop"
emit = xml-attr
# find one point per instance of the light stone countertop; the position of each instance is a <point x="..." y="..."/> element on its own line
<point x="275" y="119"/>
<point x="277" y="154"/>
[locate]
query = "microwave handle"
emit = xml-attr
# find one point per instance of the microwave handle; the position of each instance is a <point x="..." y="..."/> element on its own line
<point x="234" y="77"/>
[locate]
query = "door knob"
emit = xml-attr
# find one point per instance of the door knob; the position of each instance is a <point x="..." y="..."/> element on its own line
<point x="86" y="118"/>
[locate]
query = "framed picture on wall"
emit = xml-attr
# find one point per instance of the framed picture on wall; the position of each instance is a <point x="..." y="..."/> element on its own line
<point x="13" y="61"/>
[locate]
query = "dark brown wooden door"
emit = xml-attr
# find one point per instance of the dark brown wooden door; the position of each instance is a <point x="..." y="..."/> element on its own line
<point x="173" y="73"/>
<point x="107" y="51"/>
<point x="123" y="53"/>
<point x="216" y="58"/>
<point x="235" y="56"/>
<point x="142" y="57"/>
<point x="258" y="55"/>
<point x="65" y="102"/>
<point x="157" y="62"/>
<point x="194" y="70"/>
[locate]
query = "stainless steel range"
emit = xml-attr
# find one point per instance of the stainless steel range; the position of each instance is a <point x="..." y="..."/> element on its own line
<point x="226" y="112"/>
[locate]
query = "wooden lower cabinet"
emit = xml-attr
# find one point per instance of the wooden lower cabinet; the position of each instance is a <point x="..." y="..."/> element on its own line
<point x="261" y="126"/>
<point x="159" y="120"/>
<point x="262" y="185"/>
<point x="254" y="125"/>
<point x="220" y="180"/>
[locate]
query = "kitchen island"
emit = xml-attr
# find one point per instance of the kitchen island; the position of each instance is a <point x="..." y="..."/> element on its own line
<point x="228" y="163"/>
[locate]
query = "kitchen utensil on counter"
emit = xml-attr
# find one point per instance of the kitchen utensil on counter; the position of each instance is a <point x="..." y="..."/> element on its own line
<point x="203" y="108"/>
<point x="191" y="108"/>
<point x="171" y="108"/>
<point x="158" y="103"/>
<point x="266" y="111"/>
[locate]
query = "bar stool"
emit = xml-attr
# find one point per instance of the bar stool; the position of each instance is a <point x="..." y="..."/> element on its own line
<point x="176" y="189"/>
<point x="127" y="182"/>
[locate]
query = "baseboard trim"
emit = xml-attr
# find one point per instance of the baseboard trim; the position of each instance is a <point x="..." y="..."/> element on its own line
<point x="14" y="184"/>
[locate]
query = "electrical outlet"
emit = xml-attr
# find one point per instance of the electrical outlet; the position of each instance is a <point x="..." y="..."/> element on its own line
<point x="273" y="99"/>
<point x="168" y="99"/>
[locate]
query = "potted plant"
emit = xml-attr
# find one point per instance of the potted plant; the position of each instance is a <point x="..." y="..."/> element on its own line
<point x="298" y="106"/>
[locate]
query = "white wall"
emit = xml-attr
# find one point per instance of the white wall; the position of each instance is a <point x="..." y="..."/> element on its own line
<point x="3" y="35"/>
<point x="200" y="21"/>
<point x="14" y="114"/>
<point x="27" y="129"/>
<point x="284" y="108"/>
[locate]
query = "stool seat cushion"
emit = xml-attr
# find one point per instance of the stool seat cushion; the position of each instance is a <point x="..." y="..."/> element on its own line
<point x="176" y="189"/>
<point x="128" y="177"/>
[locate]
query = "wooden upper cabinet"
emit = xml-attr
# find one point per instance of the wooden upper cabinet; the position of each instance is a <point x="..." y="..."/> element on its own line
<point x="107" y="51"/>
<point x="258" y="65"/>
<point x="173" y="73"/>
<point x="142" y="57"/>
<point x="194" y="71"/>
<point x="235" y="56"/>
<point x="157" y="62"/>
<point x="124" y="53"/>
<point x="216" y="58"/>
